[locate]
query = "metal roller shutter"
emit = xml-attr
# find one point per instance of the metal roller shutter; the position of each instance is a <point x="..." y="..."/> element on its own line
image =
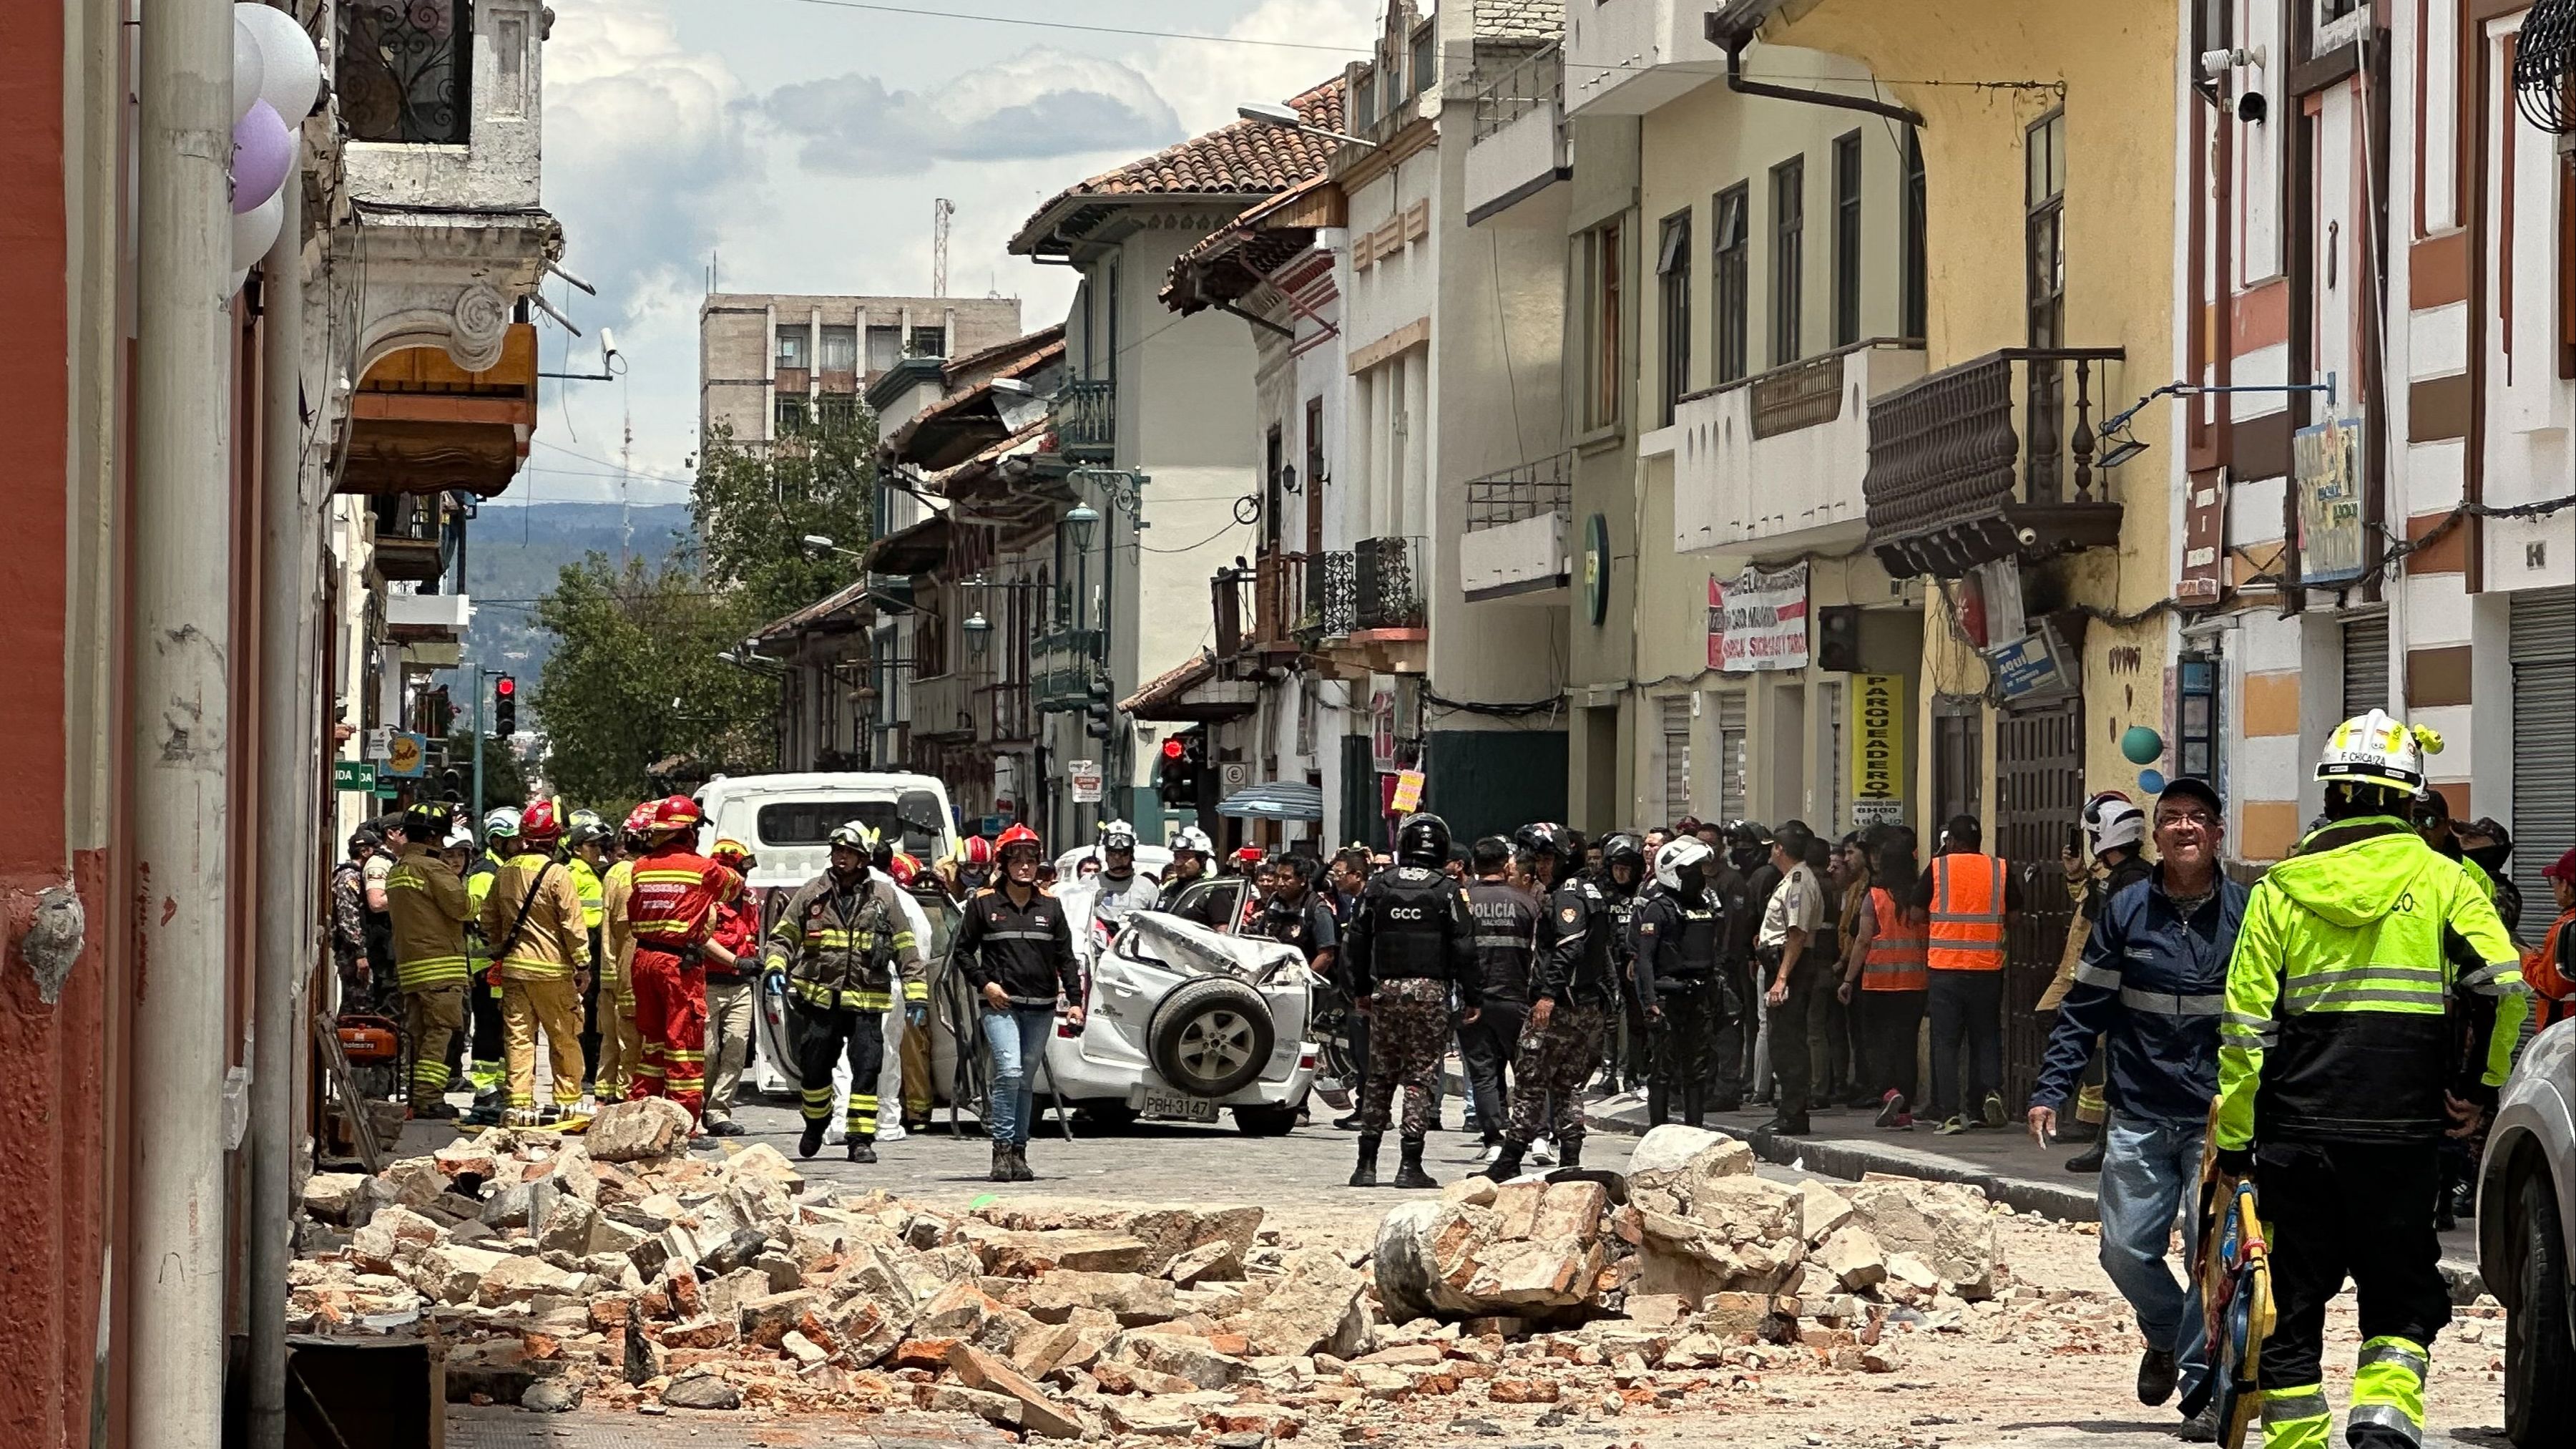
<point x="2544" y="762"/>
<point x="1730" y="755"/>
<point x="1677" y="723"/>
<point x="2365" y="665"/>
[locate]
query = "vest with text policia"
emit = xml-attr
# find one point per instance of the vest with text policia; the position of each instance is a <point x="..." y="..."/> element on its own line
<point x="1967" y="926"/>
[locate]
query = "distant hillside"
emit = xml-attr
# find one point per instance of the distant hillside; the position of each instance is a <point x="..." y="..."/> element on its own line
<point x="514" y="554"/>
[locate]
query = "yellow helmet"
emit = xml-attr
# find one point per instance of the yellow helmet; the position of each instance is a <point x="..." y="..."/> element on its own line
<point x="2376" y="749"/>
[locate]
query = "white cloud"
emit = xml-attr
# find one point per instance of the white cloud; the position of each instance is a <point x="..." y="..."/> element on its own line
<point x="1040" y="104"/>
<point x="1204" y="83"/>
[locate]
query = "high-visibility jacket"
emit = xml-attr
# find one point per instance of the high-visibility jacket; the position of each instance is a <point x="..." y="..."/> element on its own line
<point x="1894" y="959"/>
<point x="429" y="910"/>
<point x="837" y="940"/>
<point x="1967" y="917"/>
<point x="2346" y="998"/>
<point x="673" y="906"/>
<point x="552" y="942"/>
<point x="594" y="896"/>
<point x="2550" y="970"/>
<point x="478" y="888"/>
<point x="616" y="938"/>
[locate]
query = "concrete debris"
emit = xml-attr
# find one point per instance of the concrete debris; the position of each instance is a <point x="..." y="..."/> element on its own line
<point x="623" y="1273"/>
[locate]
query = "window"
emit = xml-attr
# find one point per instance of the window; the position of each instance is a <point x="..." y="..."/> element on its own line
<point x="2199" y="695"/>
<point x="791" y="414"/>
<point x="1847" y="240"/>
<point x="915" y="814"/>
<point x="1912" y="299"/>
<point x="929" y="342"/>
<point x="1364" y="105"/>
<point x="1602" y="304"/>
<point x="840" y="349"/>
<point x="1730" y="256"/>
<point x="791" y="347"/>
<point x="1788" y="255"/>
<point x="1676" y="713"/>
<point x="839" y="411"/>
<point x="885" y="348"/>
<point x="1672" y="265"/>
<point x="1730" y="754"/>
<point x="1426" y="57"/>
<point x="1314" y="483"/>
<point x="2044" y="281"/>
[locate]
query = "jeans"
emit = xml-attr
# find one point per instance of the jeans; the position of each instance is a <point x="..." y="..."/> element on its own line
<point x="1016" y="1038"/>
<point x="2150" y="1173"/>
<point x="1967" y="1007"/>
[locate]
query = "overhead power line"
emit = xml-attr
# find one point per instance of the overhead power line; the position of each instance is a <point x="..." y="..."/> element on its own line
<point x="930" y="14"/>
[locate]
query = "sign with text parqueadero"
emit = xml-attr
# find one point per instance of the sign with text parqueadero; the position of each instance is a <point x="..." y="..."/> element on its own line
<point x="1877" y="750"/>
<point x="1758" y="620"/>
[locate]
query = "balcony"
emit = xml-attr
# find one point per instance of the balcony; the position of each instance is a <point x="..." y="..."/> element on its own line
<point x="421" y="423"/>
<point x="1257" y="610"/>
<point x="1988" y="460"/>
<point x="1332" y="598"/>
<point x="1390" y="586"/>
<point x="1085" y="420"/>
<point x="1774" y="462"/>
<point x="1517" y="526"/>
<point x="943" y="707"/>
<point x="1518" y="145"/>
<point x="1065" y="669"/>
<point x="1009" y="717"/>
<point x="427" y="618"/>
<point x="412" y="537"/>
<point x="1626" y="57"/>
<point x="1370" y="615"/>
<point x="440" y="101"/>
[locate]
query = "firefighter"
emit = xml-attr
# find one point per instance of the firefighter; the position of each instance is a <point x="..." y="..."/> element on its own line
<point x="1016" y="949"/>
<point x="1678" y="932"/>
<point x="2340" y="1072"/>
<point x="586" y="842"/>
<point x="429" y="910"/>
<point x="620" y="1044"/>
<point x="532" y="917"/>
<point x="671" y="911"/>
<point x="1573" y="989"/>
<point x="839" y="939"/>
<point x="1411" y="941"/>
<point x="733" y="957"/>
<point x="488" y="1069"/>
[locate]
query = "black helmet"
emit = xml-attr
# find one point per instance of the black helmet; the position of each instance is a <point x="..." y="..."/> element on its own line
<point x="1422" y="839"/>
<point x="1543" y="837"/>
<point x="1622" y="846"/>
<point x="1748" y="835"/>
<point x="429" y="820"/>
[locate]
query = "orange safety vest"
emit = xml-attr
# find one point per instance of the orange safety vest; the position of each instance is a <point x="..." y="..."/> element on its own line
<point x="2552" y="981"/>
<point x="1894" y="960"/>
<point x="1967" y="914"/>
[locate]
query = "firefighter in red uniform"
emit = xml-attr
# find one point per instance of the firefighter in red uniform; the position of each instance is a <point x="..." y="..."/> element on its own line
<point x="672" y="913"/>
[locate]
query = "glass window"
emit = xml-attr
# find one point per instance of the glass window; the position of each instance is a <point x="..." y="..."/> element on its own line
<point x="1730" y="257"/>
<point x="1914" y="299"/>
<point x="1847" y="240"/>
<point x="1426" y="57"/>
<point x="1788" y="257"/>
<point x="811" y="822"/>
<point x="929" y="342"/>
<point x="1672" y="266"/>
<point x="791" y="347"/>
<point x="1603" y="292"/>
<point x="840" y="349"/>
<point x="885" y="347"/>
<point x="791" y="414"/>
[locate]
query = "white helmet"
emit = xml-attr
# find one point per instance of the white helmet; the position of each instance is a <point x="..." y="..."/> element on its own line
<point x="1118" y="835"/>
<point x="1193" y="840"/>
<point x="2110" y="820"/>
<point x="502" y="821"/>
<point x="2375" y="749"/>
<point x="1687" y="852"/>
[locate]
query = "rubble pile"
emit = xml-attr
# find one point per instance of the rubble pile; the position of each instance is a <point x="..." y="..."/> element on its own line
<point x="620" y="1270"/>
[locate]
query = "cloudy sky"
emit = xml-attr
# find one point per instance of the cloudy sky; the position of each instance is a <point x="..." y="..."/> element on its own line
<point x="800" y="143"/>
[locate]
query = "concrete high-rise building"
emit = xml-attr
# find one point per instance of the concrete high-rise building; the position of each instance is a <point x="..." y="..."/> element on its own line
<point x="769" y="362"/>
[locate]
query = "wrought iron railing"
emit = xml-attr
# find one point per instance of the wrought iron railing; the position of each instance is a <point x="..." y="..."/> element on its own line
<point x="1332" y="597"/>
<point x="1085" y="418"/>
<point x="1947" y="447"/>
<point x="405" y="70"/>
<point x="1546" y="486"/>
<point x="1537" y="79"/>
<point x="1391" y="582"/>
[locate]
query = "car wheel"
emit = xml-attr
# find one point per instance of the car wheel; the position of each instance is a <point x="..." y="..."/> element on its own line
<point x="1265" y="1121"/>
<point x="2538" y="1353"/>
<point x="1211" y="1036"/>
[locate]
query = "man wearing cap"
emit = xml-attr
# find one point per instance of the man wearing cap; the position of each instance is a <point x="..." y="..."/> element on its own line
<point x="2152" y="985"/>
<point x="2550" y="970"/>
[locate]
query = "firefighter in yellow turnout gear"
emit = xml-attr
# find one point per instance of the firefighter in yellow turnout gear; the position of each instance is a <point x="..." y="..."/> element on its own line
<point x="837" y="938"/>
<point x="2365" y="961"/>
<point x="429" y="910"/>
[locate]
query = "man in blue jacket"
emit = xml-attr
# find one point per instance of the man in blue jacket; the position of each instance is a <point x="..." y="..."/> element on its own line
<point x="2152" y="983"/>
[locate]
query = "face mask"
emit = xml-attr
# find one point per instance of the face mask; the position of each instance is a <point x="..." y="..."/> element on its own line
<point x="2490" y="858"/>
<point x="1692" y="878"/>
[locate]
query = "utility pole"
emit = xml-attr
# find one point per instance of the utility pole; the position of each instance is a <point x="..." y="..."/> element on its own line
<point x="625" y="502"/>
<point x="940" y="211"/>
<point x="474" y="673"/>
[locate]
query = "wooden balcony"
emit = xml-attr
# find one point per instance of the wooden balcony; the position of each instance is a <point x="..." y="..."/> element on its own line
<point x="1990" y="459"/>
<point x="1258" y="610"/>
<point x="420" y="424"/>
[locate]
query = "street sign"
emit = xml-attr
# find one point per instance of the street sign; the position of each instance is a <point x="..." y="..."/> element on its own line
<point x="1084" y="777"/>
<point x="358" y="775"/>
<point x="379" y="739"/>
<point x="1232" y="775"/>
<point x="407" y="755"/>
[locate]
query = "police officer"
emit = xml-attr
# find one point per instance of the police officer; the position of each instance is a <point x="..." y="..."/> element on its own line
<point x="1748" y="860"/>
<point x="1570" y="1004"/>
<point x="1507" y="921"/>
<point x="1620" y="875"/>
<point x="2360" y="960"/>
<point x="1676" y="931"/>
<point x="1296" y="915"/>
<point x="1411" y="941"/>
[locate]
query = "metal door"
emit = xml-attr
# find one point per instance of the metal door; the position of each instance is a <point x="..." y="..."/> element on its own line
<point x="2544" y="768"/>
<point x="2039" y="797"/>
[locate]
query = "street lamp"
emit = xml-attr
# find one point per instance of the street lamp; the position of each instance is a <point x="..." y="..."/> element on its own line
<point x="819" y="544"/>
<point x="1267" y="113"/>
<point x="1078" y="525"/>
<point x="979" y="631"/>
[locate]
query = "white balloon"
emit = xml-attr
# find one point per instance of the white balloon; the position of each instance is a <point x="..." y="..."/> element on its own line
<point x="239" y="277"/>
<point x="255" y="230"/>
<point x="250" y="71"/>
<point x="291" y="70"/>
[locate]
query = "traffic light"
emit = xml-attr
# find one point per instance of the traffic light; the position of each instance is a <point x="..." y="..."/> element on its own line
<point x="1176" y="779"/>
<point x="505" y="706"/>
<point x="1096" y="717"/>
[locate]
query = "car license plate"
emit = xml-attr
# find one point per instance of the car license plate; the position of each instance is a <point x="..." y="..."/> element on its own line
<point x="1174" y="1107"/>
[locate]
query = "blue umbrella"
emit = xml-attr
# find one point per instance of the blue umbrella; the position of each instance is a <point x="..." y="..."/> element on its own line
<point x="1274" y="800"/>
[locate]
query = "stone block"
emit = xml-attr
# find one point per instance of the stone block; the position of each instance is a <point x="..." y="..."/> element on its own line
<point x="1135" y="1299"/>
<point x="1948" y="1226"/>
<point x="700" y="1391"/>
<point x="639" y="1130"/>
<point x="1820" y="1210"/>
<point x="1853" y="1257"/>
<point x="1038" y="1413"/>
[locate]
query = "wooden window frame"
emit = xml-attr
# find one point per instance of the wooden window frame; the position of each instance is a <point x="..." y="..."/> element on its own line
<point x="1730" y="257"/>
<point x="1788" y="260"/>
<point x="1848" y="172"/>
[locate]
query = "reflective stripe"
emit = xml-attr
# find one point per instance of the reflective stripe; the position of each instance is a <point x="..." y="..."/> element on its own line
<point x="1019" y="935"/>
<point x="668" y="877"/>
<point x="2252" y="1023"/>
<point x="2416" y="1003"/>
<point x="2386" y="1416"/>
<point x="2290" y="1405"/>
<point x="2479" y="979"/>
<point x="1894" y="958"/>
<point x="2396" y="1351"/>
<point x="2311" y="982"/>
<point x="2165" y="1004"/>
<point x="2108" y="980"/>
<point x="1504" y="940"/>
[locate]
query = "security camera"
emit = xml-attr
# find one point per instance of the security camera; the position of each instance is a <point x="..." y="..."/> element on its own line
<point x="2027" y="537"/>
<point x="2215" y="62"/>
<point x="607" y="343"/>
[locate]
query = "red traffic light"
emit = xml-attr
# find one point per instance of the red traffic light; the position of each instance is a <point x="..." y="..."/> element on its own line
<point x="1172" y="748"/>
<point x="505" y="686"/>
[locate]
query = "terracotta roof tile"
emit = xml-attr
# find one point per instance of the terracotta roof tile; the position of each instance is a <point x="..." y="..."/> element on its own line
<point x="1236" y="158"/>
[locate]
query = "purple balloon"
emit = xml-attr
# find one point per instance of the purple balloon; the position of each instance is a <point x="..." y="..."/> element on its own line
<point x="262" y="150"/>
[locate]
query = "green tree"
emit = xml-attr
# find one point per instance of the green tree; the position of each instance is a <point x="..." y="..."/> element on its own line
<point x="636" y="677"/>
<point x="755" y="504"/>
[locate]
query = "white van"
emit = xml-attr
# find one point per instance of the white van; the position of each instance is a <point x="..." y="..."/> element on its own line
<point x="788" y="820"/>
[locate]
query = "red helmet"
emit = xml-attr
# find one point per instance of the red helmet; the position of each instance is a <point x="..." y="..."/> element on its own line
<point x="1018" y="835"/>
<point x="675" y="814"/>
<point x="977" y="851"/>
<point x="904" y="869"/>
<point x="733" y="854"/>
<point x="541" y="823"/>
<point x="640" y="819"/>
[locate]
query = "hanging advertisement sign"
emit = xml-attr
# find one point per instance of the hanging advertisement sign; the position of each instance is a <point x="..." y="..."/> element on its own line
<point x="2325" y="468"/>
<point x="1877" y="734"/>
<point x="2032" y="669"/>
<point x="1084" y="778"/>
<point x="1408" y="792"/>
<point x="1382" y="730"/>
<point x="1758" y="620"/>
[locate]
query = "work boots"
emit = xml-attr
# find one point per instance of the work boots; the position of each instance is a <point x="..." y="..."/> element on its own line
<point x="1659" y="1104"/>
<point x="1569" y="1151"/>
<point x="810" y="1141"/>
<point x="1001" y="1164"/>
<point x="1020" y="1164"/>
<point x="1507" y="1162"/>
<point x="1694" y="1105"/>
<point x="863" y="1149"/>
<point x="1365" y="1174"/>
<point x="1408" y="1172"/>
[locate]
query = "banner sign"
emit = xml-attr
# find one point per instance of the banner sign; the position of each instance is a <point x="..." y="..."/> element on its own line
<point x="358" y="775"/>
<point x="1408" y="792"/>
<point x="1877" y="732"/>
<point x="407" y="754"/>
<point x="2325" y="468"/>
<point x="1758" y="620"/>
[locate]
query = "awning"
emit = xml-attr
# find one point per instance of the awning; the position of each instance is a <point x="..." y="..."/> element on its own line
<point x="1274" y="800"/>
